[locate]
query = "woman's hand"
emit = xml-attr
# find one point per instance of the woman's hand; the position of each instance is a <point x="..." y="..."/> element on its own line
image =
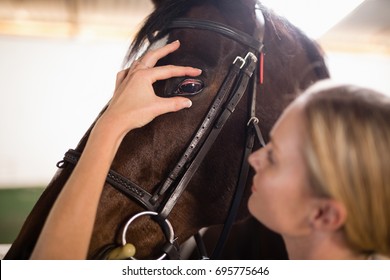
<point x="134" y="103"/>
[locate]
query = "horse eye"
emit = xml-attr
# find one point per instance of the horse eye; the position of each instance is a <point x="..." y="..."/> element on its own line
<point x="189" y="87"/>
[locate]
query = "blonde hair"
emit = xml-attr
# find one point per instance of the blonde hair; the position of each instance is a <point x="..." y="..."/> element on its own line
<point x="347" y="151"/>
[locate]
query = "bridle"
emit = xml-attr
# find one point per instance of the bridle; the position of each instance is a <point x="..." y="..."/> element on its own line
<point x="160" y="203"/>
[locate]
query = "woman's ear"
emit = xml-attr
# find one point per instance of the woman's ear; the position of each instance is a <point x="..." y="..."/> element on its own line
<point x="329" y="215"/>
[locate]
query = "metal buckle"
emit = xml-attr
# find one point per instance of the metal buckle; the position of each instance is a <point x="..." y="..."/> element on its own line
<point x="150" y="213"/>
<point x="252" y="56"/>
<point x="253" y="120"/>
<point x="242" y="61"/>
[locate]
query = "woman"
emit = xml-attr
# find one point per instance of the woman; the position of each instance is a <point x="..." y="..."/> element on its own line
<point x="68" y="228"/>
<point x="323" y="181"/>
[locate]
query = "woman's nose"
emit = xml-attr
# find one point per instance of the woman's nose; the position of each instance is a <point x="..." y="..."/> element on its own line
<point x="256" y="158"/>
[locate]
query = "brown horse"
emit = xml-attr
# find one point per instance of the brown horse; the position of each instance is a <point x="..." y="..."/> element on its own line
<point x="148" y="155"/>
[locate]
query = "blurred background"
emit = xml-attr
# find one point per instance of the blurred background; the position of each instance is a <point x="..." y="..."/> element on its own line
<point x="59" y="59"/>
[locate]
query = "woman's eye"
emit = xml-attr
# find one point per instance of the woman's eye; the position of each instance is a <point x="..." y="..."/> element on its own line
<point x="189" y="87"/>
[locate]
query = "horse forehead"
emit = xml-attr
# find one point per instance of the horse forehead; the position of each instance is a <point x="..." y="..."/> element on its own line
<point x="206" y="11"/>
<point x="235" y="13"/>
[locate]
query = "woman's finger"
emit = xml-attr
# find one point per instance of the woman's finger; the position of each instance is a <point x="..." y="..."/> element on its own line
<point x="150" y="59"/>
<point x="120" y="77"/>
<point x="169" y="71"/>
<point x="174" y="104"/>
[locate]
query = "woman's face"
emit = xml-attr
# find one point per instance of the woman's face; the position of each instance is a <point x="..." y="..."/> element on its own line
<point x="281" y="198"/>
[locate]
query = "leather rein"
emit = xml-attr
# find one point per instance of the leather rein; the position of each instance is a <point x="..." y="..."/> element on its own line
<point x="160" y="203"/>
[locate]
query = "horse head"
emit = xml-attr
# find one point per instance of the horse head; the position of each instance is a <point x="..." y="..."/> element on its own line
<point x="286" y="60"/>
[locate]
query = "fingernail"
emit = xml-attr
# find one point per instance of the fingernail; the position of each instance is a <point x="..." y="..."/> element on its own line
<point x="176" y="42"/>
<point x="188" y="103"/>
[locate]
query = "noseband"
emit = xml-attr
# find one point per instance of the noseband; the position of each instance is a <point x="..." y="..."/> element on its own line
<point x="160" y="203"/>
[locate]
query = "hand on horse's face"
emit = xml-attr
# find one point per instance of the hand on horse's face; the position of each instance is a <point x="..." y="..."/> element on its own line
<point x="134" y="103"/>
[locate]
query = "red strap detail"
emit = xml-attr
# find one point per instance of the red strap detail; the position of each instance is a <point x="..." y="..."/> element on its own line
<point x="261" y="61"/>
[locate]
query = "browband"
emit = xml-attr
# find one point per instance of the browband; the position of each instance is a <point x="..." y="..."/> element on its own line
<point x="220" y="28"/>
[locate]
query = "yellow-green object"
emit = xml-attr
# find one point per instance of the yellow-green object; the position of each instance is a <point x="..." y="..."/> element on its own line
<point x="123" y="252"/>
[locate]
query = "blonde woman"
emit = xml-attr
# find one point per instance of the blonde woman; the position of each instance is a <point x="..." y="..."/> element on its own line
<point x="323" y="181"/>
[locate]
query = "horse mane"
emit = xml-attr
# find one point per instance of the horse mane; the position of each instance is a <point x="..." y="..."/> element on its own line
<point x="314" y="52"/>
<point x="158" y="20"/>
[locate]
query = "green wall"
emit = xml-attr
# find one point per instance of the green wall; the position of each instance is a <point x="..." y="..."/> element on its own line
<point x="15" y="205"/>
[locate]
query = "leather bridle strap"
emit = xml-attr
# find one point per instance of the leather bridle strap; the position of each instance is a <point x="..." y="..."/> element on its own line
<point x="119" y="182"/>
<point x="200" y="136"/>
<point x="219" y="28"/>
<point x="169" y="203"/>
<point x="252" y="132"/>
<point x="202" y="131"/>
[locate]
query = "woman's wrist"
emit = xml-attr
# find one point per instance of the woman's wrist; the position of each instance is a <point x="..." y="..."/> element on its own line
<point x="108" y="133"/>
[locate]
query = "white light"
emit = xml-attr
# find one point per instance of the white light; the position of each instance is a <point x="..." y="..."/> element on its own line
<point x="314" y="17"/>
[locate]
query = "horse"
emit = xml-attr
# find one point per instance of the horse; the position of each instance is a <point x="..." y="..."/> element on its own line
<point x="271" y="60"/>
